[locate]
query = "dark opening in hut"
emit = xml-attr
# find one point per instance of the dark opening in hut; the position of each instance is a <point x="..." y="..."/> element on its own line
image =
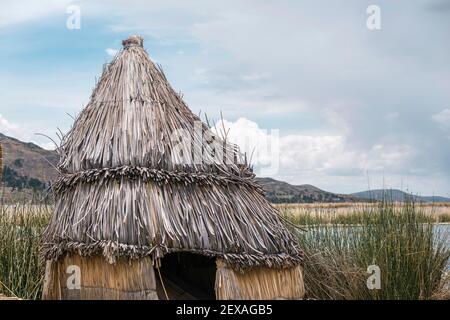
<point x="186" y="276"/>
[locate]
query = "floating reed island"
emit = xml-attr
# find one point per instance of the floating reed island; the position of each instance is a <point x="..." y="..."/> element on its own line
<point x="148" y="208"/>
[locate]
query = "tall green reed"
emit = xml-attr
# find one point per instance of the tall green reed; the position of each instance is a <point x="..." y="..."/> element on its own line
<point x="398" y="239"/>
<point x="21" y="271"/>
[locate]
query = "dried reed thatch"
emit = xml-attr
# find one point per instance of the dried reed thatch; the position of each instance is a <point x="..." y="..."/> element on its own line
<point x="124" y="280"/>
<point x="128" y="187"/>
<point x="260" y="283"/>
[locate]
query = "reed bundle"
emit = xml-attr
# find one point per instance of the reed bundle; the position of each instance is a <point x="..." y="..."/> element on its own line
<point x="125" y="280"/>
<point x="259" y="284"/>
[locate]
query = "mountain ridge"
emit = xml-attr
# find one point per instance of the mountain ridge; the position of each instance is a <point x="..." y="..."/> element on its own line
<point x="396" y="195"/>
<point x="282" y="192"/>
<point x="28" y="166"/>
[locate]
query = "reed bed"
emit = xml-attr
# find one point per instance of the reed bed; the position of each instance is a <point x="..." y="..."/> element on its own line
<point x="351" y="213"/>
<point x="413" y="258"/>
<point x="21" y="271"/>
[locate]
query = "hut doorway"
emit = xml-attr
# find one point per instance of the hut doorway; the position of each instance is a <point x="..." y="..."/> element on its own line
<point x="186" y="276"/>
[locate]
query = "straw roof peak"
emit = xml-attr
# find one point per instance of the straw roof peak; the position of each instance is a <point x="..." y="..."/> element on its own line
<point x="134" y="40"/>
<point x="135" y="118"/>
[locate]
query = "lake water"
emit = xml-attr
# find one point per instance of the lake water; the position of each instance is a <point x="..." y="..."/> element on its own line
<point x="443" y="230"/>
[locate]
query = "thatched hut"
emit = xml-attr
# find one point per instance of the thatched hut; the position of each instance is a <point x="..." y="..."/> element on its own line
<point x="144" y="212"/>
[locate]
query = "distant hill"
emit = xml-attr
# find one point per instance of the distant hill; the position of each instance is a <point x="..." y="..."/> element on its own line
<point x="26" y="165"/>
<point x="283" y="192"/>
<point x="396" y="195"/>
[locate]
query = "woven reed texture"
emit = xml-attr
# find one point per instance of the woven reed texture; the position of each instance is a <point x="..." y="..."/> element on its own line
<point x="126" y="189"/>
<point x="259" y="284"/>
<point x="124" y="280"/>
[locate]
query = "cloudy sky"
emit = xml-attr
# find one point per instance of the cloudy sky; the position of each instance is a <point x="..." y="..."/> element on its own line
<point x="352" y="107"/>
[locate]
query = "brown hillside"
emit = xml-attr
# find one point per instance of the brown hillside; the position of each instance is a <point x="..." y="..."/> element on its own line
<point x="28" y="159"/>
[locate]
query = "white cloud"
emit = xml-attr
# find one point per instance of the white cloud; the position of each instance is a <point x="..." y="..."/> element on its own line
<point x="314" y="154"/>
<point x="15" y="12"/>
<point x="9" y="129"/>
<point x="111" y="52"/>
<point x="261" y="146"/>
<point x="24" y="134"/>
<point x="388" y="157"/>
<point x="442" y="118"/>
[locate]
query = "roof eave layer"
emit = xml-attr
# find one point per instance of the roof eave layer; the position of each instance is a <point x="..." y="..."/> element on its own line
<point x="117" y="217"/>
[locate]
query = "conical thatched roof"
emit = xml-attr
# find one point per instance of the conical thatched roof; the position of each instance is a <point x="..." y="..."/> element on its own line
<point x="129" y="187"/>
